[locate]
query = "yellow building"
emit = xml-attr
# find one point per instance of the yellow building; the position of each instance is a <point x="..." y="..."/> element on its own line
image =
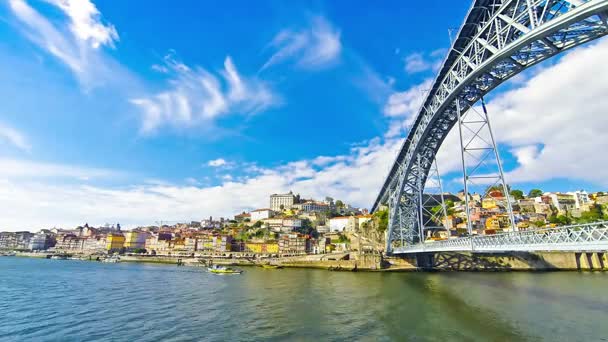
<point x="135" y="239"/>
<point x="498" y="222"/>
<point x="262" y="247"/>
<point x="115" y="241"/>
<point x="489" y="203"/>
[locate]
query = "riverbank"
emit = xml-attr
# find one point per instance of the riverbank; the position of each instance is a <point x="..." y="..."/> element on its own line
<point x="444" y="261"/>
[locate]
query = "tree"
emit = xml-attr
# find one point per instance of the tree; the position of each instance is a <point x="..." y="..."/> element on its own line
<point x="381" y="218"/>
<point x="517" y="194"/>
<point x="594" y="214"/>
<point x="497" y="187"/>
<point x="535" y="193"/>
<point x="559" y="220"/>
<point x="539" y="223"/>
<point x="257" y="224"/>
<point x="339" y="204"/>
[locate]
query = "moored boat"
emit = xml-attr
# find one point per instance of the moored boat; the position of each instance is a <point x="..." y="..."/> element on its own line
<point x="223" y="270"/>
<point x="271" y="267"/>
<point x="112" y="259"/>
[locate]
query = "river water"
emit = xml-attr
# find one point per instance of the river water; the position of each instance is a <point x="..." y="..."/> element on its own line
<point x="54" y="300"/>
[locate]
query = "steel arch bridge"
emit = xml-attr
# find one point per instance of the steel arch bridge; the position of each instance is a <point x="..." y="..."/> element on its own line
<point x="498" y="39"/>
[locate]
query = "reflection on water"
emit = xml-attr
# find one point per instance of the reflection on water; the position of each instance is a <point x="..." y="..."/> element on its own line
<point x="49" y="300"/>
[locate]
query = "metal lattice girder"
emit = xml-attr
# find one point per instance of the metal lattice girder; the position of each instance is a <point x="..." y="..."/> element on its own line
<point x="498" y="39"/>
<point x="583" y="237"/>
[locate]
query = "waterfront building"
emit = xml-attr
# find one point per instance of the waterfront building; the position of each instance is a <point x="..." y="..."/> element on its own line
<point x="115" y="241"/>
<point x="95" y="244"/>
<point x="135" y="239"/>
<point x="69" y="243"/>
<point x="278" y="202"/>
<point x="222" y="243"/>
<point x="190" y="244"/>
<point x="39" y="242"/>
<point x="270" y="247"/>
<point x="15" y="240"/>
<point x="261" y="214"/>
<point x="293" y="244"/>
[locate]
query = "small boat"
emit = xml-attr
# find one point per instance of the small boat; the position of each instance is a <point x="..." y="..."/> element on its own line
<point x="111" y="259"/>
<point x="271" y="267"/>
<point x="59" y="257"/>
<point x="223" y="270"/>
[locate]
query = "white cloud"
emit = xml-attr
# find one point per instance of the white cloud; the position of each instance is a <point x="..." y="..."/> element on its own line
<point x="197" y="96"/>
<point x="217" y="162"/>
<point x="26" y="169"/>
<point x="553" y="123"/>
<point x="354" y="177"/>
<point x="86" y="23"/>
<point x="402" y="107"/>
<point x="313" y="47"/>
<point x="76" y="41"/>
<point x="418" y="62"/>
<point x="556" y="122"/>
<point x="14" y="137"/>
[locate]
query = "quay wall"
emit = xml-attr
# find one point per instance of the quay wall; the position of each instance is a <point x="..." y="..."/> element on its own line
<point x="510" y="261"/>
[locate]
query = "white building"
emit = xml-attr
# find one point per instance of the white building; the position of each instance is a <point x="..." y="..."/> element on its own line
<point x="260" y="214"/>
<point x="283" y="224"/>
<point x="581" y="198"/>
<point x="278" y="202"/>
<point x="338" y="224"/>
<point x="312" y="206"/>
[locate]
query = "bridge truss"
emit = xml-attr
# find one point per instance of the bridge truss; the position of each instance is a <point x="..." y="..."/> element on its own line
<point x="498" y="39"/>
<point x="585" y="237"/>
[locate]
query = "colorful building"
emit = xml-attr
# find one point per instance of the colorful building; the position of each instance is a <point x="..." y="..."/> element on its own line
<point x="115" y="241"/>
<point x="135" y="239"/>
<point x="262" y="247"/>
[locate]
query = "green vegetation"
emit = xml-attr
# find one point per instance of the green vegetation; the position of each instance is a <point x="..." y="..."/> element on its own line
<point x="535" y="193"/>
<point x="307" y="228"/>
<point x="381" y="220"/>
<point x="595" y="213"/>
<point x="560" y="220"/>
<point x="517" y="194"/>
<point x="449" y="208"/>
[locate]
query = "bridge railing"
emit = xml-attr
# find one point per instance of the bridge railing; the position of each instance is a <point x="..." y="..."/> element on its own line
<point x="581" y="236"/>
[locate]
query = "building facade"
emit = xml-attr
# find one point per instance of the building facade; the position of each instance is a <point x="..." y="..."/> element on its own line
<point x="278" y="202"/>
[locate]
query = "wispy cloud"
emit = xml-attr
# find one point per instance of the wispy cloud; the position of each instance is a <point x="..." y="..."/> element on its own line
<point x="315" y="46"/>
<point x="75" y="40"/>
<point x="86" y="23"/>
<point x="198" y="96"/>
<point x="217" y="162"/>
<point x="402" y="107"/>
<point x="419" y="62"/>
<point x="14" y="138"/>
<point x="27" y="169"/>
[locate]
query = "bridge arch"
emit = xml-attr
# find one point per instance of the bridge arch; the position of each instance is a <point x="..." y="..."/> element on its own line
<point x="497" y="40"/>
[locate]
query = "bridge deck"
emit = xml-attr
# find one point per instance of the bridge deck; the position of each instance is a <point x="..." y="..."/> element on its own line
<point x="583" y="237"/>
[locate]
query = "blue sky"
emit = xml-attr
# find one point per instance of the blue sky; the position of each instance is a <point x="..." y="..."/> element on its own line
<point x="136" y="111"/>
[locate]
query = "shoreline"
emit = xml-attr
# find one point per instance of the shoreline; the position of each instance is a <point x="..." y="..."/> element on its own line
<point x="430" y="262"/>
